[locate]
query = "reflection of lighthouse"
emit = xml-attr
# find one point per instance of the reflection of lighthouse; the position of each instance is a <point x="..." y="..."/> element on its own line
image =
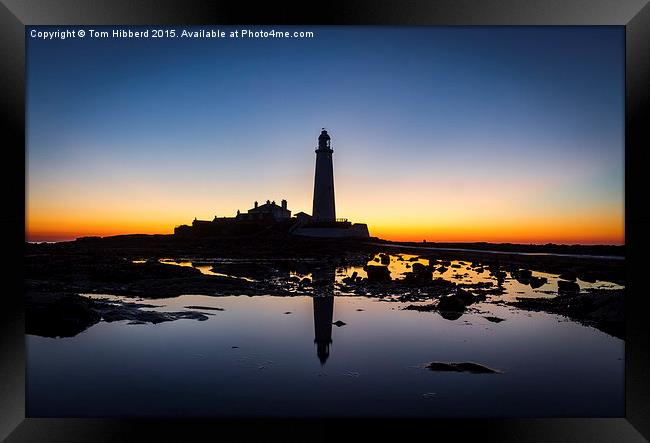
<point x="323" y="209"/>
<point x="323" y="311"/>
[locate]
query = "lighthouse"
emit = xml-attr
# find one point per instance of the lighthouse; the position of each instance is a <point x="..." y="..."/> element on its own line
<point x="323" y="222"/>
<point x="323" y="209"/>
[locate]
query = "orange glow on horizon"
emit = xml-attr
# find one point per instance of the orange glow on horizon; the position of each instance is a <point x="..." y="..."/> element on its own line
<point x="528" y="232"/>
<point x="423" y="212"/>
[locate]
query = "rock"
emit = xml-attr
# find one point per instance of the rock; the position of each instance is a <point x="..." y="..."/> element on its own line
<point x="288" y="312"/>
<point x="384" y="259"/>
<point x="58" y="314"/>
<point x="422" y="308"/>
<point x="294" y="279"/>
<point x="567" y="286"/>
<point x="470" y="367"/>
<point x="352" y="278"/>
<point x="66" y="315"/>
<point x="589" y="278"/>
<point x="111" y="312"/>
<point x="378" y="273"/>
<point x="466" y="297"/>
<point x="419" y="267"/>
<point x="480" y="297"/>
<point x="523" y="276"/>
<point x="494" y="319"/>
<point x="209" y="308"/>
<point x="568" y="275"/>
<point x="451" y="303"/>
<point x="525" y="273"/>
<point x="455" y="266"/>
<point x="339" y="323"/>
<point x="245" y="269"/>
<point x="603" y="309"/>
<point x="537" y="282"/>
<point x="420" y="272"/>
<point x="441" y="269"/>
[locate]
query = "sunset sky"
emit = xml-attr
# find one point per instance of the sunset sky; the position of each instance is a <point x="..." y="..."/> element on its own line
<point x="444" y="134"/>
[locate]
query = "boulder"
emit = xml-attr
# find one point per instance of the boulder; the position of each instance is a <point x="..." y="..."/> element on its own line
<point x="451" y="303"/>
<point x="378" y="273"/>
<point x="568" y="275"/>
<point x="465" y="296"/>
<point x="537" y="282"/>
<point x="525" y="273"/>
<point x="567" y="286"/>
<point x="471" y="367"/>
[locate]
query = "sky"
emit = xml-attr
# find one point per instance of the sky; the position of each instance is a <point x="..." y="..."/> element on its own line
<point x="460" y="134"/>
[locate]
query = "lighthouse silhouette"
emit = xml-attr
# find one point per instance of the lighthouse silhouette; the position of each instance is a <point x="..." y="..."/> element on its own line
<point x="323" y="222"/>
<point x="324" y="209"/>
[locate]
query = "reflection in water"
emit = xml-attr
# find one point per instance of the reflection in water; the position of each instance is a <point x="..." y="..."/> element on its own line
<point x="241" y="359"/>
<point x="465" y="273"/>
<point x="323" y="310"/>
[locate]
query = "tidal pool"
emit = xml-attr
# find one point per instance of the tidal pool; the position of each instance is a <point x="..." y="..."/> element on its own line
<point x="282" y="356"/>
<point x="457" y="271"/>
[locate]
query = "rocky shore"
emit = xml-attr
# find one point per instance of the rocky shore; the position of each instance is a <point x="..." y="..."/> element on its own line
<point x="130" y="266"/>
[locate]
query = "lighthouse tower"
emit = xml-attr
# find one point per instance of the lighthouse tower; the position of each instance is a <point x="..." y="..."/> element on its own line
<point x="323" y="209"/>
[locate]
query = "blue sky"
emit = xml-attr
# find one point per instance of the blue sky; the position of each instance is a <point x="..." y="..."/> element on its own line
<point x="205" y="126"/>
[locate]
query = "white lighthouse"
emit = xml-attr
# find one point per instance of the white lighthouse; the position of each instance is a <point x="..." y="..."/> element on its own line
<point x="324" y="207"/>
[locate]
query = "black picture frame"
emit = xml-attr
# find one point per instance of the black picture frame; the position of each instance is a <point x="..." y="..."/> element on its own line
<point x="634" y="15"/>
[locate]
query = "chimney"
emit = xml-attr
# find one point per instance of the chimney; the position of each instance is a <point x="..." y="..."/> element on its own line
<point x="256" y="203"/>
<point x="284" y="204"/>
<point x="268" y="201"/>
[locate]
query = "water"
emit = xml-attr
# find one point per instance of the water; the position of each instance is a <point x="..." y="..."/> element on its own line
<point x="255" y="359"/>
<point x="459" y="271"/>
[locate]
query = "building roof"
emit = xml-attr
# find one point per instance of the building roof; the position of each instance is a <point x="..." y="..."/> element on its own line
<point x="265" y="207"/>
